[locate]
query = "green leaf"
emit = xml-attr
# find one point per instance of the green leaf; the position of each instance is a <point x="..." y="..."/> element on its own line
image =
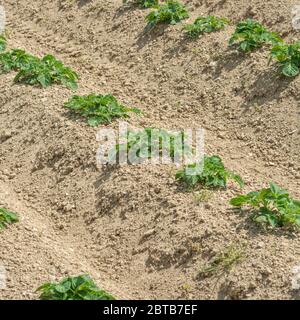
<point x="252" y="35"/>
<point x="73" y="288"/>
<point x="34" y="71"/>
<point x="288" y="58"/>
<point x="143" y="143"/>
<point x="7" y="217"/>
<point x="205" y="24"/>
<point x="272" y="206"/>
<point x="213" y="175"/>
<point x="93" y="122"/>
<point x="61" y="288"/>
<point x="244" y="46"/>
<point x="42" y="80"/>
<point x="99" y="109"/>
<point x="290" y="70"/>
<point x="238" y="201"/>
<point x="170" y="12"/>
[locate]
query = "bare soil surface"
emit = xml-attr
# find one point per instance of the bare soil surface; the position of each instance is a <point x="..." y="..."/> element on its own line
<point x="132" y="228"/>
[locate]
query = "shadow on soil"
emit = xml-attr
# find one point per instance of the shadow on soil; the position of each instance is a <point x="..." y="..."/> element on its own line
<point x="105" y="175"/>
<point x="229" y="60"/>
<point x="125" y="9"/>
<point x="148" y="35"/>
<point x="82" y="3"/>
<point x="254" y="230"/>
<point x="267" y="87"/>
<point x="180" y="47"/>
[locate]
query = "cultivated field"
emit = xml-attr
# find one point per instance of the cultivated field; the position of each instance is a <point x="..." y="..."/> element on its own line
<point x="139" y="232"/>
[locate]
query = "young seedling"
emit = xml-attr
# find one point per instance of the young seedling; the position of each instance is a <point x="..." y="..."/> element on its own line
<point x="99" y="109"/>
<point x="143" y="3"/>
<point x="209" y="173"/>
<point x="2" y="42"/>
<point x="35" y="71"/>
<point x="205" y="25"/>
<point x="151" y="143"/>
<point x="73" y="288"/>
<point x="170" y="12"/>
<point x="288" y="58"/>
<point x="7" y="217"/>
<point x="251" y="35"/>
<point x="272" y="207"/>
<point x="223" y="262"/>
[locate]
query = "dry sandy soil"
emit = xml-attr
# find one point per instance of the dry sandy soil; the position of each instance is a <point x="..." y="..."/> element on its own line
<point x="132" y="228"/>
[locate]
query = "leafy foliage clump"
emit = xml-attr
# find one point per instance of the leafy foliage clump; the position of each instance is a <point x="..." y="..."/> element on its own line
<point x="2" y="42"/>
<point x="223" y="262"/>
<point x="271" y="206"/>
<point x="143" y="3"/>
<point x="251" y="35"/>
<point x="46" y="72"/>
<point x="151" y="142"/>
<point x="205" y="25"/>
<point x="16" y="60"/>
<point x="73" y="288"/>
<point x="209" y="173"/>
<point x="35" y="71"/>
<point x="99" y="109"/>
<point x="170" y="12"/>
<point x="7" y="217"/>
<point x="288" y="57"/>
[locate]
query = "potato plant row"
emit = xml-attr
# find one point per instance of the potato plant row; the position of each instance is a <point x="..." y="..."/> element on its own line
<point x="248" y="36"/>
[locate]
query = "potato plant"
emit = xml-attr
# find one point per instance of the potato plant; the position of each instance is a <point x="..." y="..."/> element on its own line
<point x="7" y="217"/>
<point x="46" y="72"/>
<point x="170" y="12"/>
<point x="99" y="109"/>
<point x="288" y="58"/>
<point x="73" y="288"/>
<point x="143" y="3"/>
<point x="2" y="42"/>
<point x="35" y="71"/>
<point x="205" y="25"/>
<point x="271" y="206"/>
<point x="152" y="142"/>
<point x="250" y="35"/>
<point x="209" y="173"/>
<point x="15" y="60"/>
